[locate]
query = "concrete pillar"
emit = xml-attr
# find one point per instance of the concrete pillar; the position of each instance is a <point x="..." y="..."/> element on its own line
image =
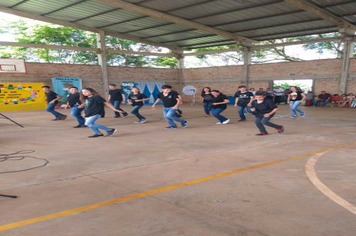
<point x="247" y="61"/>
<point x="348" y="52"/>
<point x="102" y="61"/>
<point x="180" y="66"/>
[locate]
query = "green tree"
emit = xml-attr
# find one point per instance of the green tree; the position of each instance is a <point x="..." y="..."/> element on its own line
<point x="334" y="47"/>
<point x="66" y="36"/>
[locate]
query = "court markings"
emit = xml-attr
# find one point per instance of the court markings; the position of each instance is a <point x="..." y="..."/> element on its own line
<point x="310" y="171"/>
<point x="159" y="190"/>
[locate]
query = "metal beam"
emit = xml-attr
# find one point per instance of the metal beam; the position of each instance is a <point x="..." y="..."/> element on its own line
<point x="33" y="45"/>
<point x="78" y="26"/>
<point x="97" y="50"/>
<point x="174" y="19"/>
<point x="266" y="46"/>
<point x="140" y="53"/>
<point x="308" y="7"/>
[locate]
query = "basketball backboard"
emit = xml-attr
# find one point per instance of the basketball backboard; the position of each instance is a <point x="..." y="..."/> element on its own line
<point x="9" y="65"/>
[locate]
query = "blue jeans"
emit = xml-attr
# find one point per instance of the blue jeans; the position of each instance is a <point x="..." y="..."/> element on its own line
<point x="315" y="103"/>
<point x="89" y="121"/>
<point x="169" y="115"/>
<point x="294" y="107"/>
<point x="116" y="104"/>
<point x="207" y="107"/>
<point x="241" y="110"/>
<point x="76" y="113"/>
<point x="50" y="108"/>
<point x="216" y="112"/>
<point x="262" y="121"/>
<point x="135" y="112"/>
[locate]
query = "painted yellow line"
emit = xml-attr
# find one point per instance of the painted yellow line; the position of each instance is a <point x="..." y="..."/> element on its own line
<point x="310" y="171"/>
<point x="159" y="190"/>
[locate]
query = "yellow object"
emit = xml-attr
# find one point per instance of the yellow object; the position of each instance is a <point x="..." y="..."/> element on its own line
<point x="22" y="97"/>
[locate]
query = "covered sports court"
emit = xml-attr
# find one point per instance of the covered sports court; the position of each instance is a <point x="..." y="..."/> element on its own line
<point x="206" y="179"/>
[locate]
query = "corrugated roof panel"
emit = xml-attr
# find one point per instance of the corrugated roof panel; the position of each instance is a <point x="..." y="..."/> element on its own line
<point x="164" y="30"/>
<point x="269" y="22"/>
<point x="82" y="10"/>
<point x="110" y="18"/>
<point x="9" y="3"/>
<point x="208" y="39"/>
<point x="178" y="37"/>
<point x="168" y="5"/>
<point x="296" y="34"/>
<point x="252" y="13"/>
<point x="286" y="28"/>
<point x="142" y="23"/>
<point x="42" y="6"/>
<point x="216" y="7"/>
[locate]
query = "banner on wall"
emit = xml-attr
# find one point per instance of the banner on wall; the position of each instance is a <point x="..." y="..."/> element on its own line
<point x="22" y="97"/>
<point x="150" y="89"/>
<point x="61" y="86"/>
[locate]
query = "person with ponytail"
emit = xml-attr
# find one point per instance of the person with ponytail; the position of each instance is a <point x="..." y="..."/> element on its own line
<point x="94" y="105"/>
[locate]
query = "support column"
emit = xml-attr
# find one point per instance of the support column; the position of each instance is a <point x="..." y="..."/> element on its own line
<point x="348" y="52"/>
<point x="102" y="61"/>
<point x="247" y="61"/>
<point x="180" y="66"/>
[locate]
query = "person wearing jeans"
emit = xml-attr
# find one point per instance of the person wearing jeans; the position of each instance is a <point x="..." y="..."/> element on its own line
<point x="206" y="98"/>
<point x="57" y="115"/>
<point x="243" y="100"/>
<point x="264" y="109"/>
<point x="324" y="98"/>
<point x="218" y="106"/>
<point x="136" y="99"/>
<point x="52" y="100"/>
<point x="116" y="97"/>
<point x="94" y="109"/>
<point x="295" y="98"/>
<point x="73" y="101"/>
<point x="171" y="102"/>
<point x="95" y="127"/>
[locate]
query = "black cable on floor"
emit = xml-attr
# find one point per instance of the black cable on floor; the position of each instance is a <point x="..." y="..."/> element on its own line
<point x="18" y="156"/>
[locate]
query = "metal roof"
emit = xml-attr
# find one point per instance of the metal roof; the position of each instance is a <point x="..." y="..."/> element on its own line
<point x="189" y="24"/>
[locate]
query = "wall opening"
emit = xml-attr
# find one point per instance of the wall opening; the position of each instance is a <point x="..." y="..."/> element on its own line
<point x="305" y="84"/>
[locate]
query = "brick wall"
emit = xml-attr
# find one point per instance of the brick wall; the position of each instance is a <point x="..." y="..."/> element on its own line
<point x="324" y="72"/>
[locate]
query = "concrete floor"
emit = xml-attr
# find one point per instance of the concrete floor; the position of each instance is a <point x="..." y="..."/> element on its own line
<point x="262" y="198"/>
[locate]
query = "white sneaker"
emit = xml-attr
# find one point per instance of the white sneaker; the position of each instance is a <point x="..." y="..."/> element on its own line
<point x="226" y="121"/>
<point x="219" y="123"/>
<point x="143" y="121"/>
<point x="302" y="115"/>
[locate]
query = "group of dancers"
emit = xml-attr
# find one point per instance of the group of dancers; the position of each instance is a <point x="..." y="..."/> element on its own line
<point x="215" y="102"/>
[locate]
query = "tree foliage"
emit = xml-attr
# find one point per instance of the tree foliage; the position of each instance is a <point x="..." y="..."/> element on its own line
<point x="66" y="36"/>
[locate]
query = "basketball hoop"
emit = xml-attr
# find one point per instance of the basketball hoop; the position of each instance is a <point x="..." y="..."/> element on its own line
<point x="10" y="65"/>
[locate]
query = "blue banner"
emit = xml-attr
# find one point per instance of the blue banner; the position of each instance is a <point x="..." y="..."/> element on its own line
<point x="61" y="86"/>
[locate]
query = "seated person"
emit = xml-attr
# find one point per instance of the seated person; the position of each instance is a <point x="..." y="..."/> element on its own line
<point x="309" y="98"/>
<point x="335" y="99"/>
<point x="324" y="98"/>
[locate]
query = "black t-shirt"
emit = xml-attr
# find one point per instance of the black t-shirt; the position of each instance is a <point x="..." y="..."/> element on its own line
<point x="295" y="96"/>
<point x="115" y="95"/>
<point x="244" y="98"/>
<point x="73" y="100"/>
<point x="134" y="97"/>
<point x="170" y="100"/>
<point x="264" y="107"/>
<point x="94" y="105"/>
<point x="51" y="96"/>
<point x="218" y="99"/>
<point x="207" y="97"/>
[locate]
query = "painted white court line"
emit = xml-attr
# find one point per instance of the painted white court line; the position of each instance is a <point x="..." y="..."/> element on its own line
<point x="310" y="171"/>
